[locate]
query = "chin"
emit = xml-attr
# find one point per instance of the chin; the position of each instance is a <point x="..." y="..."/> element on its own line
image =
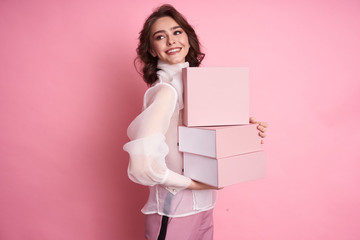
<point x="174" y="60"/>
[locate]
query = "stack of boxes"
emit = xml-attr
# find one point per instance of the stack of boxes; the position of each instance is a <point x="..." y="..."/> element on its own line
<point x="220" y="147"/>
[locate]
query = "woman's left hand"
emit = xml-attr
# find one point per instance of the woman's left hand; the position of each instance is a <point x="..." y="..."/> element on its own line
<point x="262" y="127"/>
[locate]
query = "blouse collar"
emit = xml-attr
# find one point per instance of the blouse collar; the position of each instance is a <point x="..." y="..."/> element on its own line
<point x="172" y="74"/>
<point x="171" y="68"/>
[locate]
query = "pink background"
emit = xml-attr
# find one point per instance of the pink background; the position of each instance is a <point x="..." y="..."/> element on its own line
<point x="68" y="91"/>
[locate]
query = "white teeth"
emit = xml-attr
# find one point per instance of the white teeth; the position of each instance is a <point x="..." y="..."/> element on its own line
<point x="174" y="50"/>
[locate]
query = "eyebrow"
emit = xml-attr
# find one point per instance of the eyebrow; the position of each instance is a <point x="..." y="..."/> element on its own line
<point x="162" y="31"/>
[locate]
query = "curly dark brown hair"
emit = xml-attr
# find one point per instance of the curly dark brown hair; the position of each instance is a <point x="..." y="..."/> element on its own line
<point x="146" y="62"/>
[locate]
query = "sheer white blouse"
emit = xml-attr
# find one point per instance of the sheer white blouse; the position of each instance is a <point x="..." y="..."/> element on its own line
<point x="155" y="160"/>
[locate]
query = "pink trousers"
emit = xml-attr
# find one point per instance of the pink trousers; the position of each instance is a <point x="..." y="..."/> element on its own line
<point x="199" y="226"/>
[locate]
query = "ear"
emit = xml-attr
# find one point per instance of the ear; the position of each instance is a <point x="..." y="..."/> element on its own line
<point x="152" y="52"/>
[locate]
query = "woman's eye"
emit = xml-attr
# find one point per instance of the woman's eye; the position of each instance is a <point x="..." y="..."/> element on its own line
<point x="177" y="32"/>
<point x="159" y="37"/>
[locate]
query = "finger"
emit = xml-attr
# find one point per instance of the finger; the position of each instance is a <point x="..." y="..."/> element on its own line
<point x="264" y="124"/>
<point x="252" y="120"/>
<point x="263" y="135"/>
<point x="262" y="141"/>
<point x="261" y="128"/>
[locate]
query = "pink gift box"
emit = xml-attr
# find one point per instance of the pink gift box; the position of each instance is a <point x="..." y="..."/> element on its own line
<point x="216" y="96"/>
<point x="219" y="142"/>
<point x="225" y="171"/>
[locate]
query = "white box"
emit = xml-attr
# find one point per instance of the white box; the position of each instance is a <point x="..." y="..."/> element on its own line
<point x="216" y="96"/>
<point x="225" y="171"/>
<point x="219" y="142"/>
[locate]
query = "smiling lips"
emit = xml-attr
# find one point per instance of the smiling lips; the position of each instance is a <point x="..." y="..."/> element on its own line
<point x="173" y="51"/>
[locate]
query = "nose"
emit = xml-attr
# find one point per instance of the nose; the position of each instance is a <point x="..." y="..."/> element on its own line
<point x="171" y="41"/>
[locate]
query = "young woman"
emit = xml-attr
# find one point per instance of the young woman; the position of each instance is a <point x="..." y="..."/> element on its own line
<point x="178" y="207"/>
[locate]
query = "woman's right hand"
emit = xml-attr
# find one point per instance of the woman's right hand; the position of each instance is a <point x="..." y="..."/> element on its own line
<point x="195" y="185"/>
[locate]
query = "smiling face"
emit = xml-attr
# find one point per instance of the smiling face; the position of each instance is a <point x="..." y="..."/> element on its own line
<point x="169" y="42"/>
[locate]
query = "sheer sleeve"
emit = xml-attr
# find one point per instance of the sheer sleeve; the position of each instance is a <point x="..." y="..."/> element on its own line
<point x="147" y="147"/>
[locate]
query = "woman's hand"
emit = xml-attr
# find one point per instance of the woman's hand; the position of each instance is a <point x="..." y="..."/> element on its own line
<point x="262" y="127"/>
<point x="195" y="185"/>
